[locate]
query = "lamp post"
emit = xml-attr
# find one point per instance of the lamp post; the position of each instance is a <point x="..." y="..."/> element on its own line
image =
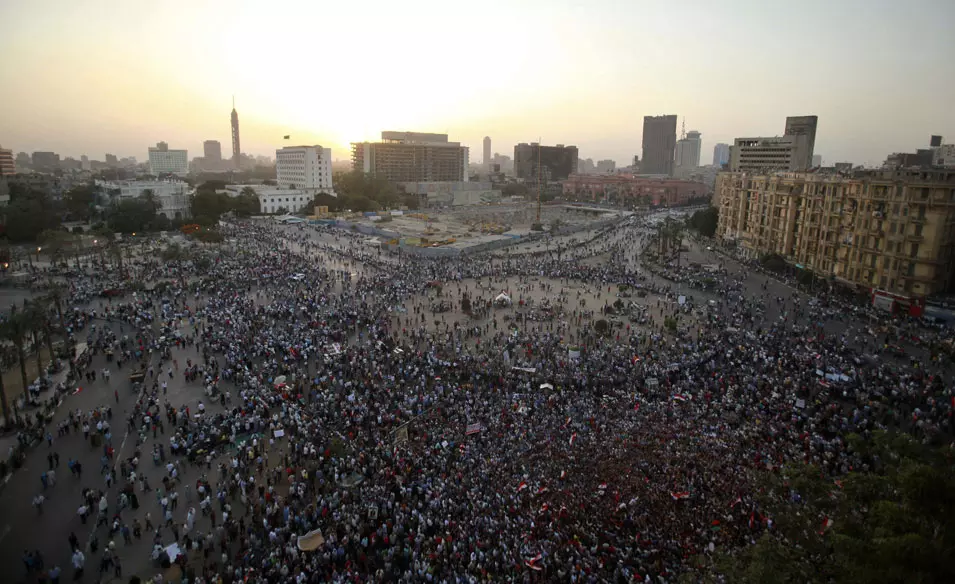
<point x="38" y="250"/>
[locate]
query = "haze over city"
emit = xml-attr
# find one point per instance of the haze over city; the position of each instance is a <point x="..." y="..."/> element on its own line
<point x="91" y="77"/>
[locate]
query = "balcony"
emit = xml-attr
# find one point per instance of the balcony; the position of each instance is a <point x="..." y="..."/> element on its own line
<point x="914" y="238"/>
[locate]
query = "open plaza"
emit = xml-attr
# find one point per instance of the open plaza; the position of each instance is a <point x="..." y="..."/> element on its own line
<point x="589" y="403"/>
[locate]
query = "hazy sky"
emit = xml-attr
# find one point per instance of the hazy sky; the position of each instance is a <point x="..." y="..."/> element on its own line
<point x="89" y="77"/>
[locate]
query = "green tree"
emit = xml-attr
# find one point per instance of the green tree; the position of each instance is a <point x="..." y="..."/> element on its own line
<point x="132" y="215"/>
<point x="15" y="329"/>
<point x="893" y="520"/>
<point x="207" y="206"/>
<point x="28" y="216"/>
<point x="79" y="202"/>
<point x="55" y="242"/>
<point x="705" y="221"/>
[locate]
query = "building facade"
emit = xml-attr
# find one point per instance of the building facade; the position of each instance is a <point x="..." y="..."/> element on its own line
<point x="555" y="163"/>
<point x="308" y="168"/>
<point x="634" y="190"/>
<point x="274" y="199"/>
<point x="781" y="153"/>
<point x="688" y="151"/>
<point x="173" y="196"/>
<point x="804" y="126"/>
<point x="659" y="145"/>
<point x="7" y="165"/>
<point x="45" y="161"/>
<point x="944" y="155"/>
<point x="891" y="230"/>
<point x="412" y="157"/>
<point x="452" y="194"/>
<point x="162" y="160"/>
<point x="721" y="154"/>
<point x="212" y="151"/>
<point x="487" y="154"/>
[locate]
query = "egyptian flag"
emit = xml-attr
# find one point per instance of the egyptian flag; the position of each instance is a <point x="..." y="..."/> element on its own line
<point x="680" y="495"/>
<point x="736" y="502"/>
<point x="521" y="486"/>
<point x="533" y="563"/>
<point x="826" y="524"/>
<point x="573" y="438"/>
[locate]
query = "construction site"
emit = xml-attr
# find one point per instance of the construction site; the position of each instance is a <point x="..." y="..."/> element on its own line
<point x="476" y="228"/>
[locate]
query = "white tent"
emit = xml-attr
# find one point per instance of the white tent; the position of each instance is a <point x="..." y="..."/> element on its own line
<point x="502" y="299"/>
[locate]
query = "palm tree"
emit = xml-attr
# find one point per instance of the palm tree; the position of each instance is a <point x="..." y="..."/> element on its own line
<point x="55" y="297"/>
<point x="15" y="329"/>
<point x="39" y="311"/>
<point x="149" y="196"/>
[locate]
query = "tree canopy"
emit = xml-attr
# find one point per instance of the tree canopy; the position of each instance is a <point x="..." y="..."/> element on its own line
<point x="79" y="202"/>
<point x="705" y="221"/>
<point x="891" y="519"/>
<point x="28" y="215"/>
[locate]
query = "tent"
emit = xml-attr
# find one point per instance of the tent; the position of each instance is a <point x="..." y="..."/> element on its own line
<point x="502" y="299"/>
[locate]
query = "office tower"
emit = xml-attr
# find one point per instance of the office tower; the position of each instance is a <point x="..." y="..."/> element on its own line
<point x="236" y="149"/>
<point x="770" y="154"/>
<point x="487" y="153"/>
<point x="412" y="157"/>
<point x="7" y="166"/>
<point x="555" y="162"/>
<point x="212" y="151"/>
<point x="688" y="151"/>
<point x="876" y="228"/>
<point x="606" y="166"/>
<point x="85" y="162"/>
<point x="804" y="126"/>
<point x="111" y="160"/>
<point x="721" y="154"/>
<point x="162" y="160"/>
<point x="935" y="141"/>
<point x="46" y="161"/>
<point x="308" y="168"/>
<point x="659" y="144"/>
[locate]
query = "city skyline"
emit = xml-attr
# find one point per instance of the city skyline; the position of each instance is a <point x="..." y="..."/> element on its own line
<point x="125" y="95"/>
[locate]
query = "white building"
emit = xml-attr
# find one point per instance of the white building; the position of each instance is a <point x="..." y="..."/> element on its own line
<point x="274" y="199"/>
<point x="944" y="155"/>
<point x="721" y="154"/>
<point x="688" y="151"/>
<point x="173" y="195"/>
<point x="163" y="160"/>
<point x="308" y="168"/>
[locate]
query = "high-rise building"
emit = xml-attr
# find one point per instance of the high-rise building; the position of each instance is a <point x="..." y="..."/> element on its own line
<point x="555" y="162"/>
<point x="85" y="163"/>
<point x="23" y="161"/>
<point x="412" y="157"/>
<point x="659" y="144"/>
<point x="804" y="126"/>
<point x="816" y="160"/>
<point x="721" y="154"/>
<point x="606" y="166"/>
<point x="46" y="161"/>
<point x="944" y="155"/>
<point x="770" y="154"/>
<point x="688" y="151"/>
<point x="880" y="229"/>
<point x="306" y="168"/>
<point x="212" y="151"/>
<point x="236" y="147"/>
<point x="111" y="160"/>
<point x="487" y="153"/>
<point x="935" y="141"/>
<point x="7" y="166"/>
<point x="162" y="160"/>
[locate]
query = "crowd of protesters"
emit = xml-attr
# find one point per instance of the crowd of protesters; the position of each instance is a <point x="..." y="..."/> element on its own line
<point x="489" y="451"/>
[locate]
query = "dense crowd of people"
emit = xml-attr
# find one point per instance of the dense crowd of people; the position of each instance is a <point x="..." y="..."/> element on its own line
<point x="424" y="451"/>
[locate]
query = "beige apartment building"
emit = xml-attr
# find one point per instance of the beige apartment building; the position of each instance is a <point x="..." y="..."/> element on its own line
<point x="412" y="157"/>
<point x="891" y="230"/>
